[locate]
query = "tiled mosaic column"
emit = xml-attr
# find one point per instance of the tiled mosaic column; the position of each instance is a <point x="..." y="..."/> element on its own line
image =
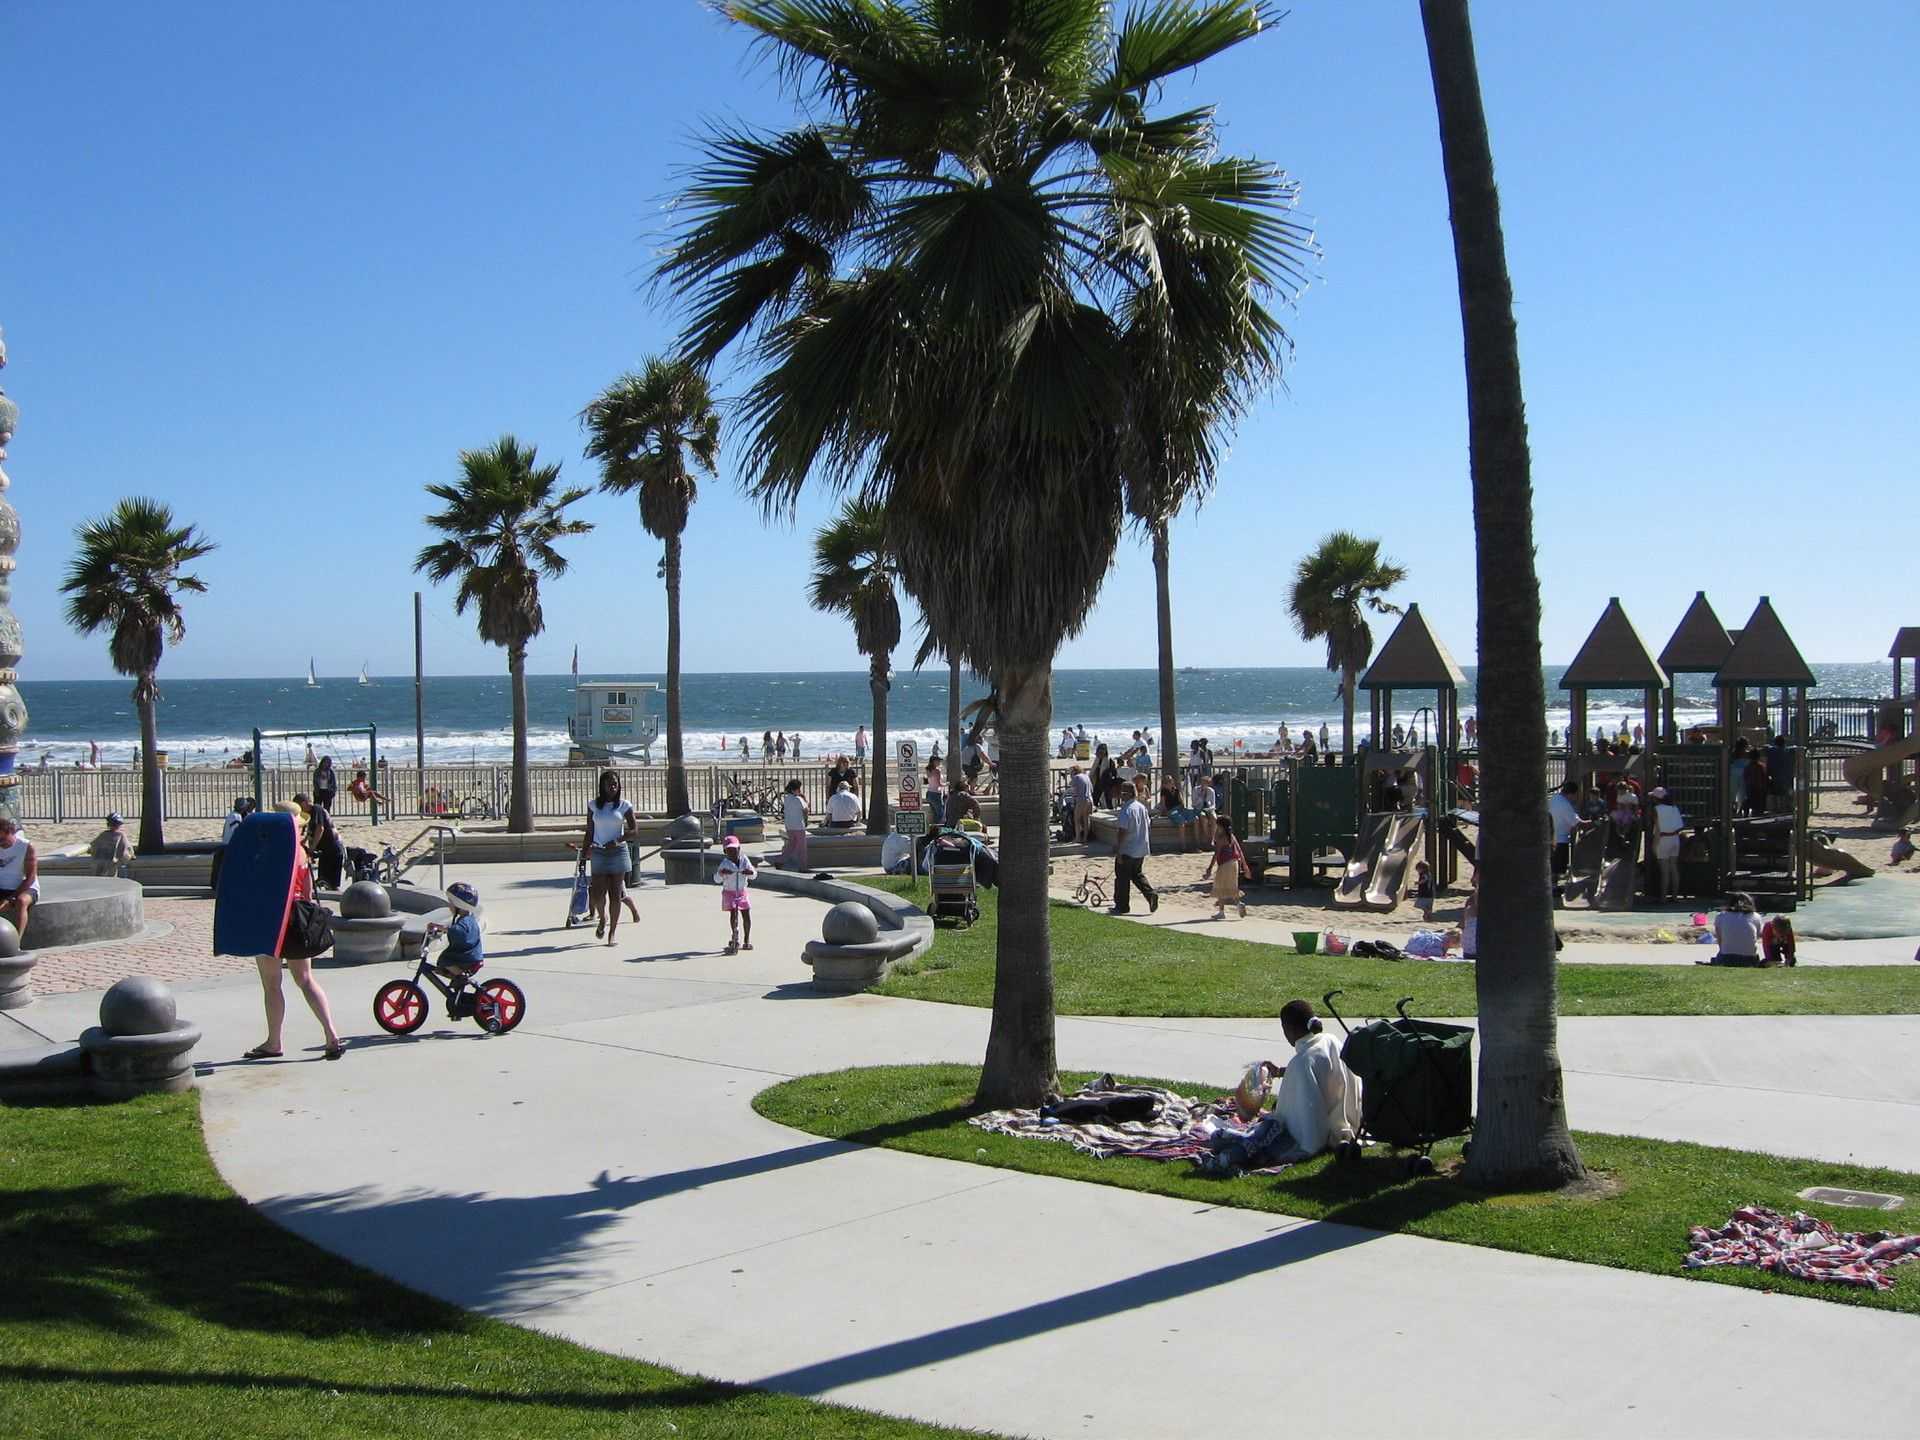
<point x="13" y="710"/>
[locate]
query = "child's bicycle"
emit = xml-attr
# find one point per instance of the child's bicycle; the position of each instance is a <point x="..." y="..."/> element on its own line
<point x="401" y="1006"/>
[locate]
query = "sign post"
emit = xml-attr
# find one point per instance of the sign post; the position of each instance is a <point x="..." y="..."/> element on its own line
<point x="909" y="819"/>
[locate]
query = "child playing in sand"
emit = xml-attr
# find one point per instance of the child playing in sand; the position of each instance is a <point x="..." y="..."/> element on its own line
<point x="734" y="874"/>
<point x="1903" y="848"/>
<point x="1228" y="865"/>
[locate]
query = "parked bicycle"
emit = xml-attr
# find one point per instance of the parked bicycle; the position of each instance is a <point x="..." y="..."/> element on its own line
<point x="476" y="807"/>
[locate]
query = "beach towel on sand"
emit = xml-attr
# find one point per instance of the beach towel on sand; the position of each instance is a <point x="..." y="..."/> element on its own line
<point x="1802" y="1247"/>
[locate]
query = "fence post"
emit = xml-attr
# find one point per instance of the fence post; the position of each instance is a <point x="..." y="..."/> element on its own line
<point x="59" y="797"/>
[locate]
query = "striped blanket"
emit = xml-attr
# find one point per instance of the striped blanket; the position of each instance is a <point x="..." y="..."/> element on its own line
<point x="1180" y="1129"/>
<point x="1802" y="1247"/>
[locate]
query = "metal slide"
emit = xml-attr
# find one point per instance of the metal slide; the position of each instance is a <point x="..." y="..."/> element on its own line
<point x="1381" y="869"/>
<point x="1358" y="875"/>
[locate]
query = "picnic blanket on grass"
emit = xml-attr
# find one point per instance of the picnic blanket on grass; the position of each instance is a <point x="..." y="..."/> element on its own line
<point x="1182" y="1127"/>
<point x="1802" y="1247"/>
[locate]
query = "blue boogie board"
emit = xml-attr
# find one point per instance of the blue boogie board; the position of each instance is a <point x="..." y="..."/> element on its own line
<point x="256" y="886"/>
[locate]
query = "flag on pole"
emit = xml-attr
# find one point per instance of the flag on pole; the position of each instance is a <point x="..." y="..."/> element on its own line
<point x="576" y="662"/>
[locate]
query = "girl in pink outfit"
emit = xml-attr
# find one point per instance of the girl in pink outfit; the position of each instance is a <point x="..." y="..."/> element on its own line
<point x="733" y="875"/>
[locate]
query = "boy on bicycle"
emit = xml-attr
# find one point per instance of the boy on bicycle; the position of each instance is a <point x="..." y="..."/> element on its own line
<point x="466" y="949"/>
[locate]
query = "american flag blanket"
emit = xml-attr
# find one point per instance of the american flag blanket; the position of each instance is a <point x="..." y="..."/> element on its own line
<point x="1180" y="1129"/>
<point x="1802" y="1247"/>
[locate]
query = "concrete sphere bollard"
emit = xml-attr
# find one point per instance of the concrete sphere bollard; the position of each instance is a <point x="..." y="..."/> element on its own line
<point x="849" y="923"/>
<point x="365" y="900"/>
<point x="684" y="828"/>
<point x="140" y="1046"/>
<point x="16" y="969"/>
<point x="138" y="1005"/>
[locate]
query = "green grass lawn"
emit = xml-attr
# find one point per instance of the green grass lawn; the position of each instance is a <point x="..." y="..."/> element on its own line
<point x="1637" y="1220"/>
<point x="142" y="1297"/>
<point x="1106" y="966"/>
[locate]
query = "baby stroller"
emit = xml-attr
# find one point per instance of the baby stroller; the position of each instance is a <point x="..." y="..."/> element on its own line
<point x="579" y="902"/>
<point x="950" y="861"/>
<point x="1416" y="1081"/>
<point x="362" y="864"/>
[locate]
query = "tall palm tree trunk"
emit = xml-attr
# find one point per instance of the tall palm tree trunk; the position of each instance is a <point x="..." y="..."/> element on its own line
<point x="1520" y="1136"/>
<point x="1349" y="682"/>
<point x="879" y="817"/>
<point x="520" y="787"/>
<point x="677" y="803"/>
<point x="1163" y="613"/>
<point x="953" y="709"/>
<point x="1019" y="1066"/>
<point x="153" y="830"/>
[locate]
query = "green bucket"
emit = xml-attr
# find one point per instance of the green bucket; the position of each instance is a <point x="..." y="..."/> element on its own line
<point x="1306" y="941"/>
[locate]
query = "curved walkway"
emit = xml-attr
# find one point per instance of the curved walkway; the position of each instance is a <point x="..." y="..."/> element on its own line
<point x="601" y="1175"/>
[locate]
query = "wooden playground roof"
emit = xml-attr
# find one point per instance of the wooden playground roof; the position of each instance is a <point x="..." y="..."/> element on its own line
<point x="1614" y="657"/>
<point x="1906" y="644"/>
<point x="1413" y="659"/>
<point x="1700" y="644"/>
<point x="1764" y="654"/>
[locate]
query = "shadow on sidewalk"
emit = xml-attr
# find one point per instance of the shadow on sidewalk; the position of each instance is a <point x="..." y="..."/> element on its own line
<point x="1297" y="1243"/>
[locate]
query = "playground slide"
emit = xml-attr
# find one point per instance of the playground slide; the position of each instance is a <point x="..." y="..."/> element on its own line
<point x="1393" y="871"/>
<point x="1358" y="876"/>
<point x="1867" y="771"/>
<point x="1829" y="857"/>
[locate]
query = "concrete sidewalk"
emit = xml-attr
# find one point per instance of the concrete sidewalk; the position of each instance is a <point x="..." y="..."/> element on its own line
<point x="600" y="1175"/>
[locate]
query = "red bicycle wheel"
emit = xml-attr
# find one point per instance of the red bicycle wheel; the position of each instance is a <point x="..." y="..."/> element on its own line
<point x="400" y="1008"/>
<point x="499" y="1006"/>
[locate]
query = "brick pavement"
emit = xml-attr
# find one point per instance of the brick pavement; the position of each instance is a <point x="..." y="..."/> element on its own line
<point x="183" y="952"/>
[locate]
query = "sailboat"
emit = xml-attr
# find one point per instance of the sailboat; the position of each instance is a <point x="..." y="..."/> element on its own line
<point x="363" y="674"/>
<point x="313" y="678"/>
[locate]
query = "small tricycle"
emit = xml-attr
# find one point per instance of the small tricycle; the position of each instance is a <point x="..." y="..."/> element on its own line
<point x="401" y="1006"/>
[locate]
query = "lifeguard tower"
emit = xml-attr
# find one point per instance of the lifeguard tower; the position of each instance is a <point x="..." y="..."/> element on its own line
<point x="612" y="720"/>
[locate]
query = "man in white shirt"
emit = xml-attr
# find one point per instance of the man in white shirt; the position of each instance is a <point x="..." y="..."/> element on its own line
<point x="1668" y="822"/>
<point x="1564" y="810"/>
<point x="843" y="807"/>
<point x="1318" y="1106"/>
<point x="1130" y="856"/>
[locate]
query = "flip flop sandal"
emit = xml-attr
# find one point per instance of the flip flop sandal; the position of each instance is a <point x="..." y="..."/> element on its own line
<point x="334" y="1052"/>
<point x="260" y="1052"/>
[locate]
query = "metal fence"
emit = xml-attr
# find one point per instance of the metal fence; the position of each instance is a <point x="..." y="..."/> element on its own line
<point x="558" y="790"/>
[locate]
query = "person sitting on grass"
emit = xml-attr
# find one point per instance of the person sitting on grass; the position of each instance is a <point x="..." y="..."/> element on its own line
<point x="1777" y="939"/>
<point x="1319" y="1104"/>
<point x="466" y="948"/>
<point x="1737" y="929"/>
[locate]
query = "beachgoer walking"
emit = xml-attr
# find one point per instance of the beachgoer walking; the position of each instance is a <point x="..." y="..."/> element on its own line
<point x="610" y="827"/>
<point x="745" y="753"/>
<point x="780" y="746"/>
<point x="297" y="886"/>
<point x="326" y="784"/>
<point x="1080" y="793"/>
<point x="733" y="875"/>
<point x="19" y="875"/>
<point x="1227" y="869"/>
<point x="860" y="746"/>
<point x="310" y="759"/>
<point x="1130" y="857"/>
<point x="110" y="850"/>
<point x="793" y="818"/>
<point x="93" y="754"/>
<point x="766" y="747"/>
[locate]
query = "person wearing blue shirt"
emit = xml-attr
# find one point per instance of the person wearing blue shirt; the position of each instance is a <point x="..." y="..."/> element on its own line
<point x="466" y="949"/>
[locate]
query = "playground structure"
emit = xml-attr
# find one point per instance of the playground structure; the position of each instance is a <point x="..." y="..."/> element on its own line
<point x="1883" y="769"/>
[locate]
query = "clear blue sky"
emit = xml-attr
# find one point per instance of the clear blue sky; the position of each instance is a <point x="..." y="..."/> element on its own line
<point x="278" y="264"/>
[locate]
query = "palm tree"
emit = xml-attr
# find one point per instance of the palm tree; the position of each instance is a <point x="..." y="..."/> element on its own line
<point x="500" y="522"/>
<point x="1198" y="344"/>
<point x="644" y="430"/>
<point x="1520" y="1134"/>
<point x="933" y="284"/>
<point x="853" y="575"/>
<point x="1333" y="589"/>
<point x="127" y="579"/>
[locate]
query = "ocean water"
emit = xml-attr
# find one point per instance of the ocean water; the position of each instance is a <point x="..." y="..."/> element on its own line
<point x="468" y="717"/>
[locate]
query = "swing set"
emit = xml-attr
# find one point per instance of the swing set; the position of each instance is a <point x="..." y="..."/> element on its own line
<point x="373" y="756"/>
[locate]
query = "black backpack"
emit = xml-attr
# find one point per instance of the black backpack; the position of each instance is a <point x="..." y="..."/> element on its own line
<point x="309" y="931"/>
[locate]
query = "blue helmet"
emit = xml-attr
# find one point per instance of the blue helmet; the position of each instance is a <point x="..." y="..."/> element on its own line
<point x="463" y="897"/>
